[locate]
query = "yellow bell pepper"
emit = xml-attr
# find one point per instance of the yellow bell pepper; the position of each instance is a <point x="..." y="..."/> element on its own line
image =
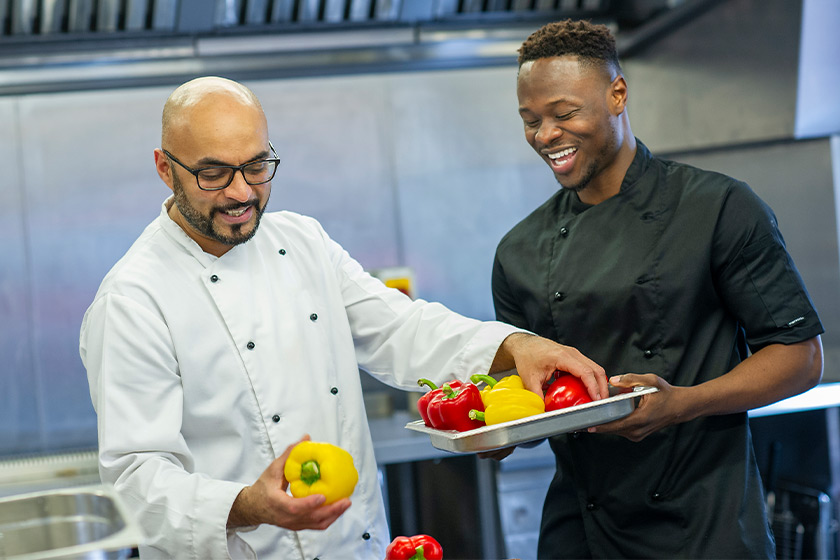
<point x="503" y="403"/>
<point x="509" y="382"/>
<point x="320" y="468"/>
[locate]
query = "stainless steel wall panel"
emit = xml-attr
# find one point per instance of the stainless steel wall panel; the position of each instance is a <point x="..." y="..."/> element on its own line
<point x="79" y="15"/>
<point x="23" y="16"/>
<point x="21" y="424"/>
<point x="464" y="179"/>
<point x="136" y="12"/>
<point x="164" y="14"/>
<point x="341" y="173"/>
<point x="108" y="15"/>
<point x="739" y="87"/>
<point x="817" y="110"/>
<point x="52" y="16"/>
<point x="90" y="189"/>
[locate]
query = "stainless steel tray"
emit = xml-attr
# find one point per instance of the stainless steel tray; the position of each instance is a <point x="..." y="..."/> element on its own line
<point x="82" y="522"/>
<point x="524" y="430"/>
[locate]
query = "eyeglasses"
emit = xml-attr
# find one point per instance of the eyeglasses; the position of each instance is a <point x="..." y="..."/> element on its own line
<point x="218" y="177"/>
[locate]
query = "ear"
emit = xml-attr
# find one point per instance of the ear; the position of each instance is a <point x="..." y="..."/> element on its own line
<point x="618" y="95"/>
<point x="164" y="168"/>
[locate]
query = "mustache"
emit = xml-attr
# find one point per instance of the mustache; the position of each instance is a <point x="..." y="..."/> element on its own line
<point x="237" y="206"/>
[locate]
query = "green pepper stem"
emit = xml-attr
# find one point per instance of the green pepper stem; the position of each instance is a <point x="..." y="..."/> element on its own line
<point x="310" y="472"/>
<point x="491" y="382"/>
<point x="418" y="554"/>
<point x="448" y="391"/>
<point x="427" y="383"/>
<point x="477" y="415"/>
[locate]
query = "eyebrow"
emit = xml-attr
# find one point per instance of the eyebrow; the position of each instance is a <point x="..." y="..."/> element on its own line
<point x="213" y="161"/>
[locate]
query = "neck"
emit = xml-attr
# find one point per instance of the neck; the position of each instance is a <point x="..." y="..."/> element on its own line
<point x="607" y="183"/>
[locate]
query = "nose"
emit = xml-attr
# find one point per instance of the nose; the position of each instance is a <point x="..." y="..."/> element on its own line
<point x="239" y="190"/>
<point x="547" y="133"/>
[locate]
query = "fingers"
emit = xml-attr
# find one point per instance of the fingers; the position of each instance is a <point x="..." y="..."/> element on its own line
<point x="628" y="380"/>
<point x="590" y="373"/>
<point x="308" y="512"/>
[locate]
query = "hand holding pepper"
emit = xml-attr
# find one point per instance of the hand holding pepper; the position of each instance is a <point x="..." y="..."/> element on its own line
<point x="418" y="547"/>
<point x="266" y="502"/>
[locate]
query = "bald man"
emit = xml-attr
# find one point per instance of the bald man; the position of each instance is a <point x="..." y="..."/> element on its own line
<point x="225" y="335"/>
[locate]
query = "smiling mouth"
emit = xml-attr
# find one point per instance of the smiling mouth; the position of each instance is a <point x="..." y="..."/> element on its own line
<point x="558" y="157"/>
<point x="235" y="213"/>
<point x="562" y="161"/>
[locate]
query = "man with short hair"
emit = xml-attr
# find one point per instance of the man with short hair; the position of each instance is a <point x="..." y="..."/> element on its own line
<point x="224" y="336"/>
<point x="648" y="265"/>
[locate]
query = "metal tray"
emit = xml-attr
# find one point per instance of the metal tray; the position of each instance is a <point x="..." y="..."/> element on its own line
<point x="524" y="430"/>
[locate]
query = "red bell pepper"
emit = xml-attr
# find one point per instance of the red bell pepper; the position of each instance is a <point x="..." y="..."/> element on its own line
<point x="435" y="393"/>
<point x="418" y="547"/>
<point x="565" y="391"/>
<point x="451" y="410"/>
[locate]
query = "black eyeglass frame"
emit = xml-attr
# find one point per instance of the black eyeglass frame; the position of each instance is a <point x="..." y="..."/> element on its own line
<point x="241" y="168"/>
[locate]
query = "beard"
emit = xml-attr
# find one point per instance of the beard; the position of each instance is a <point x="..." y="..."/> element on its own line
<point x="204" y="224"/>
<point x="601" y="161"/>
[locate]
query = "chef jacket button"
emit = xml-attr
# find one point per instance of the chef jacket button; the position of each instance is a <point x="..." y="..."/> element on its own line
<point x="282" y="251"/>
<point x="275" y="418"/>
<point x="656" y="497"/>
<point x="564" y="232"/>
<point x="575" y="435"/>
<point x="648" y="354"/>
<point x="559" y="296"/>
<point x="366" y="536"/>
<point x="313" y="317"/>
<point x="334" y="390"/>
<point x="214" y="278"/>
<point x="250" y="345"/>
<point x="591" y="506"/>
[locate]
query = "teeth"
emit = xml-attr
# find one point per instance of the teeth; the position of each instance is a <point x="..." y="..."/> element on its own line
<point x="562" y="154"/>
<point x="235" y="213"/>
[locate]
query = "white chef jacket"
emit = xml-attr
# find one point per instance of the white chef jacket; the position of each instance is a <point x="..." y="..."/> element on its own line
<point x="202" y="370"/>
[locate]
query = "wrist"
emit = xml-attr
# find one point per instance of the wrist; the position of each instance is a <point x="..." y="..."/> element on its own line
<point x="241" y="513"/>
<point x="504" y="359"/>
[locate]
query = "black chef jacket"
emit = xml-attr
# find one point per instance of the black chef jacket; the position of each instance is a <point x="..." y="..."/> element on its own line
<point x="678" y="274"/>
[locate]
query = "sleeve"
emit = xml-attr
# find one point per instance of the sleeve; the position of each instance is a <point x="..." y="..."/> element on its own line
<point x="136" y="392"/>
<point x="398" y="340"/>
<point x="507" y="308"/>
<point x="757" y="277"/>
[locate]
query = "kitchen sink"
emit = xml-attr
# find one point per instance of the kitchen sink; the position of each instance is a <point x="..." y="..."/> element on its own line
<point x="85" y="523"/>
